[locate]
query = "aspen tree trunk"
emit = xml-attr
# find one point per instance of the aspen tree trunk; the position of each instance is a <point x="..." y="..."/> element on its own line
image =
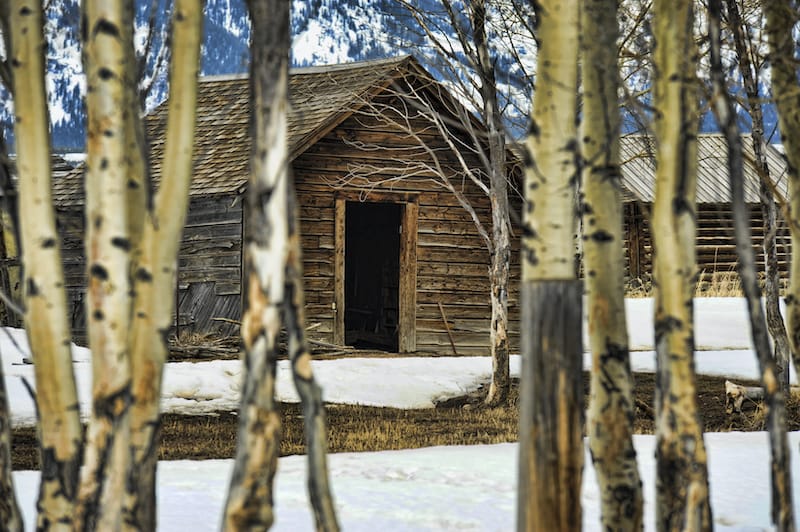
<point x="782" y="511"/>
<point x="108" y="247"/>
<point x="551" y="418"/>
<point x="498" y="198"/>
<point x="250" y="500"/>
<point x="769" y="210"/>
<point x="45" y="299"/>
<point x="611" y="408"/>
<point x="782" y="16"/>
<point x="10" y="516"/>
<point x="138" y="187"/>
<point x="682" y="498"/>
<point x="307" y="388"/>
<point x="156" y="266"/>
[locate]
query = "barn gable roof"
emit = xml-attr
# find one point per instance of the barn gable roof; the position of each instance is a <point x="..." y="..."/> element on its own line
<point x="322" y="97"/>
<point x="59" y="166"/>
<point x="638" y="169"/>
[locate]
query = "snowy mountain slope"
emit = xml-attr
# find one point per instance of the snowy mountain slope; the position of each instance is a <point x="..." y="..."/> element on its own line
<point x="324" y="32"/>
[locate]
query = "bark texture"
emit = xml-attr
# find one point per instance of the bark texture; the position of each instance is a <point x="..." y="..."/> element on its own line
<point x="108" y="248"/>
<point x="10" y="516"/>
<point x="551" y="409"/>
<point x="551" y="419"/>
<point x="769" y="209"/>
<point x="45" y="300"/>
<point x="498" y="197"/>
<point x="156" y="267"/>
<point x="470" y="23"/>
<point x="250" y="498"/>
<point x="611" y="407"/>
<point x="682" y="498"/>
<point x="782" y="510"/>
<point x="274" y="295"/>
<point x="782" y="16"/>
<point x="310" y="393"/>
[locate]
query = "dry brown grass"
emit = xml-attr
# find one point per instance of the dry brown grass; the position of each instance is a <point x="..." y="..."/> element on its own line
<point x="709" y="284"/>
<point x="718" y="284"/>
<point x="754" y="414"/>
<point x="363" y="428"/>
<point x="639" y="287"/>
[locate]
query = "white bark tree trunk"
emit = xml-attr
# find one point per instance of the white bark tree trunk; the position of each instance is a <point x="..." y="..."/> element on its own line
<point x="45" y="298"/>
<point x="250" y="499"/>
<point x="498" y="199"/>
<point x="682" y="500"/>
<point x="782" y="16"/>
<point x="551" y="394"/>
<point x="611" y="407"/>
<point x="108" y="248"/>
<point x="274" y="294"/>
<point x="155" y="267"/>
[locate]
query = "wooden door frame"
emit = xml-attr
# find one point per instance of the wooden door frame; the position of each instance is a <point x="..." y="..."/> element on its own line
<point x="407" y="287"/>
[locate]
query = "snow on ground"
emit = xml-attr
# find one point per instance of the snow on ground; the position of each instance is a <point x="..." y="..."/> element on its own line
<point x="440" y="488"/>
<point x="412" y="382"/>
<point x="459" y="488"/>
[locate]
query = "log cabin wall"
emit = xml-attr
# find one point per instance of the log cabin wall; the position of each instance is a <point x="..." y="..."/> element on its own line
<point x="210" y="266"/>
<point x="715" y="243"/>
<point x="70" y="224"/>
<point x="339" y="157"/>
<point x="451" y="259"/>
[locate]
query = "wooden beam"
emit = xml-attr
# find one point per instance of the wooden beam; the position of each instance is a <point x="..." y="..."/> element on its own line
<point x="377" y="196"/>
<point x="407" y="319"/>
<point x="338" y="271"/>
<point x="447" y="328"/>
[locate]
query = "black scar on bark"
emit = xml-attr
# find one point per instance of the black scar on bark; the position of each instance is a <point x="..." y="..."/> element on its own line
<point x="615" y="351"/>
<point x="33" y="289"/>
<point x="533" y="130"/>
<point x="106" y="407"/>
<point x="527" y="160"/>
<point x="122" y="243"/>
<point x="530" y="255"/>
<point x="49" y="243"/>
<point x="144" y="275"/>
<point x="65" y="472"/>
<point x="529" y="232"/>
<point x="602" y="236"/>
<point x="666" y="325"/>
<point x="680" y="206"/>
<point x="105" y="73"/>
<point x="106" y="27"/>
<point x="99" y="271"/>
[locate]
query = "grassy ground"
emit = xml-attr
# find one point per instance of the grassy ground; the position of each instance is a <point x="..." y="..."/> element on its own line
<point x="360" y="428"/>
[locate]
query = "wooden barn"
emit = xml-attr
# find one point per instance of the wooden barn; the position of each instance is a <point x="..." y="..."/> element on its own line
<point x="10" y="270"/>
<point x="716" y="247"/>
<point x="391" y="259"/>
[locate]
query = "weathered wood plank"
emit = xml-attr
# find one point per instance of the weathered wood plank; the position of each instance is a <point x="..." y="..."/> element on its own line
<point x="338" y="269"/>
<point x="551" y="391"/>
<point x="407" y="334"/>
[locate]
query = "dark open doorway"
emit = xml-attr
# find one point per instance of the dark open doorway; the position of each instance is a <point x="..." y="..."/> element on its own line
<point x="372" y="275"/>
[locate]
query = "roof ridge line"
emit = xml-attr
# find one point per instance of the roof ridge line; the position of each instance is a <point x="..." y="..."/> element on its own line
<point x="315" y="69"/>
